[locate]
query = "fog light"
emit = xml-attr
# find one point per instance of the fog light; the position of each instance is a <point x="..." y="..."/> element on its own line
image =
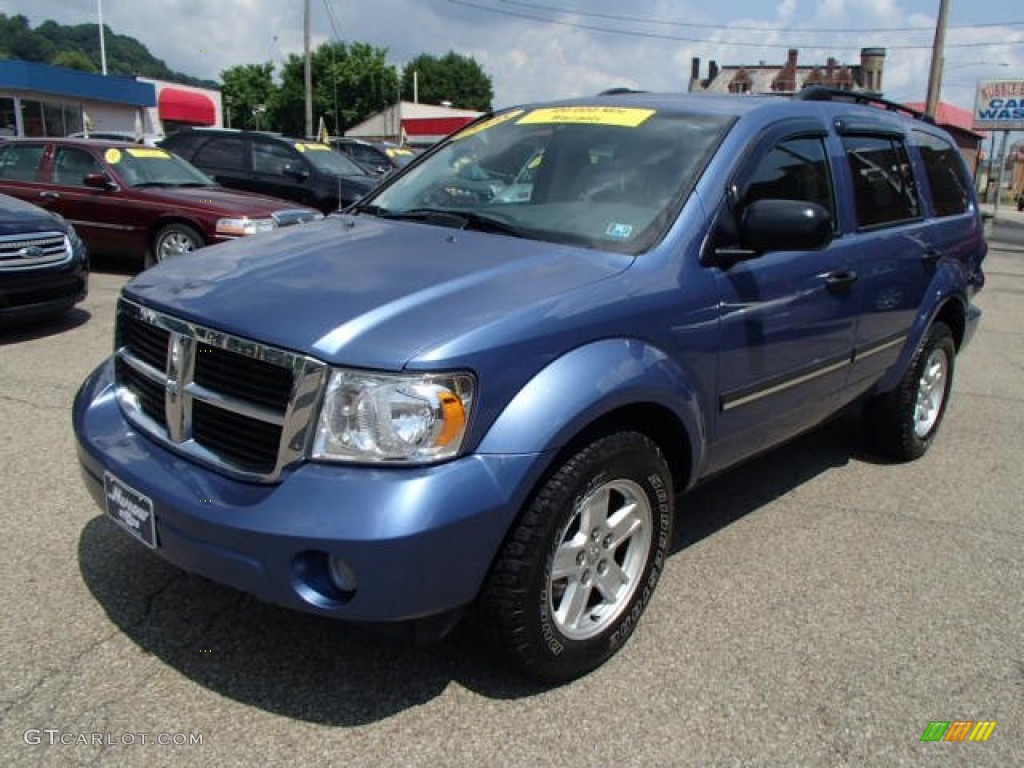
<point x="342" y="575"/>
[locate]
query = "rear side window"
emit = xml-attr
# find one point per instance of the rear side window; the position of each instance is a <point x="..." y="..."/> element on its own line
<point x="228" y="152"/>
<point x="183" y="144"/>
<point x="20" y="162"/>
<point x="883" y="183"/>
<point x="946" y="178"/>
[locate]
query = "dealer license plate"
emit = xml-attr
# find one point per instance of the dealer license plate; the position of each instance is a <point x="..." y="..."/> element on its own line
<point x="130" y="509"/>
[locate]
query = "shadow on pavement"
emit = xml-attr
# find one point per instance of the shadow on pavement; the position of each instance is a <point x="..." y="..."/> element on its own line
<point x="30" y="330"/>
<point x="322" y="671"/>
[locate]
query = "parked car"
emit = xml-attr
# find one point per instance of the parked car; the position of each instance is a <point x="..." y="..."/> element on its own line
<point x="44" y="266"/>
<point x="377" y="158"/>
<point x="307" y="172"/>
<point x="495" y="402"/>
<point x="133" y="200"/>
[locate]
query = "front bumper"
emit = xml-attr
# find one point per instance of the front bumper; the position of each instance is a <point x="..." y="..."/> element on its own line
<point x="419" y="540"/>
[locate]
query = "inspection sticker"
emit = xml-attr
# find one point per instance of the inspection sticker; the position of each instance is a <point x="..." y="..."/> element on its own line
<point x="626" y="117"/>
<point x="619" y="231"/>
<point x="112" y="156"/>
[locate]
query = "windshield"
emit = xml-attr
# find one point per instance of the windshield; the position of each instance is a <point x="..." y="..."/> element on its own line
<point x="152" y="167"/>
<point x="605" y="177"/>
<point x="329" y="160"/>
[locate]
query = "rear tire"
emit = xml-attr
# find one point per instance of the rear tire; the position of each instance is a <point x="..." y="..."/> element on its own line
<point x="903" y="423"/>
<point x="579" y="567"/>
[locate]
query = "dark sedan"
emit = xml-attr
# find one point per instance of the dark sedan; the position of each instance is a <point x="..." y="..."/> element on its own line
<point x="44" y="269"/>
<point x="133" y="200"/>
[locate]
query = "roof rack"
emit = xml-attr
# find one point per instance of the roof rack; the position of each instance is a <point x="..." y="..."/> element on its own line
<point x="821" y="93"/>
<point x="618" y="91"/>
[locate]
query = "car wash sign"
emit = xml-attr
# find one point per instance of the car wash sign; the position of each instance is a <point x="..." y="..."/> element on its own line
<point x="999" y="106"/>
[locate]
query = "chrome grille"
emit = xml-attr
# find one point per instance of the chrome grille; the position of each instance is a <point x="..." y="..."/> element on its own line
<point x="31" y="250"/>
<point x="241" y="407"/>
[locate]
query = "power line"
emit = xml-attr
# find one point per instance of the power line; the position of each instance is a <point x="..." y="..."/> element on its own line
<point x="720" y="27"/>
<point x="705" y="40"/>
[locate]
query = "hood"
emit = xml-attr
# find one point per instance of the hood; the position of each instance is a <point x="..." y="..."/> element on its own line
<point x="366" y="292"/>
<point x="225" y="200"/>
<point x="18" y="217"/>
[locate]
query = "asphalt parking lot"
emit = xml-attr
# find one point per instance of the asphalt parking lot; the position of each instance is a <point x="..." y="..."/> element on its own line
<point x="821" y="608"/>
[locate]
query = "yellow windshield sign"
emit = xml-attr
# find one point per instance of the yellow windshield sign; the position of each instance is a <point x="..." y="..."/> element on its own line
<point x="146" y="152"/>
<point x="310" y="146"/>
<point x="497" y="120"/>
<point x="626" y="117"/>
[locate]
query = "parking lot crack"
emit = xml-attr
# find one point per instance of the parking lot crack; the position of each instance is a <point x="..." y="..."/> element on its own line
<point x="22" y="401"/>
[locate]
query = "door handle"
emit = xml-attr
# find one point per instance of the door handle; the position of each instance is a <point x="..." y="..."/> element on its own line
<point x="931" y="256"/>
<point x="50" y="195"/>
<point x="840" y="282"/>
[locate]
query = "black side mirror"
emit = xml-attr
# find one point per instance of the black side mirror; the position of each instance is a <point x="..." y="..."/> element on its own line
<point x="774" y="225"/>
<point x="296" y="172"/>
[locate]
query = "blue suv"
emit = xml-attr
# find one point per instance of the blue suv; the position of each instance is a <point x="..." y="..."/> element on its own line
<point x="484" y="386"/>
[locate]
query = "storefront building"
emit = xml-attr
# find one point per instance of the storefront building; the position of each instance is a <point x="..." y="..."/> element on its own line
<point x="44" y="100"/>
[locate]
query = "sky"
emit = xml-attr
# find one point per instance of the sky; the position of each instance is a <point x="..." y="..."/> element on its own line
<point x="540" y="49"/>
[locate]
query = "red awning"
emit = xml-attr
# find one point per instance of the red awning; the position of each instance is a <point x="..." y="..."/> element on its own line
<point x="186" y="107"/>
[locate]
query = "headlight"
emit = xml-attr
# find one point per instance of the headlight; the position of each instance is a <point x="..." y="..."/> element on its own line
<point x="244" y="226"/>
<point x="415" y="418"/>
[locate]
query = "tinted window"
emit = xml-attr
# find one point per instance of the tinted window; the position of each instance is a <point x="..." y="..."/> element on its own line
<point x="883" y="184"/>
<point x="183" y="144"/>
<point x="20" y="162"/>
<point x="795" y="169"/>
<point x="70" y="165"/>
<point x="272" y="158"/>
<point x="227" y="152"/>
<point x="946" y="180"/>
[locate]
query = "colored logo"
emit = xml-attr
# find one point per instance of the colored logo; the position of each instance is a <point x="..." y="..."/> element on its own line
<point x="958" y="730"/>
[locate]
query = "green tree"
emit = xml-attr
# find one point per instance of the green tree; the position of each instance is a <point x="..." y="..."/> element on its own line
<point x="350" y="83"/>
<point x="453" y="78"/>
<point x="247" y="88"/>
<point x="75" y="60"/>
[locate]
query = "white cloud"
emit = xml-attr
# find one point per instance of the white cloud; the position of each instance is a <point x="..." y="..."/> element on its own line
<point x="530" y="60"/>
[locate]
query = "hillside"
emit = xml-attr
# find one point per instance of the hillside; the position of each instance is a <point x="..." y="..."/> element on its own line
<point x="78" y="47"/>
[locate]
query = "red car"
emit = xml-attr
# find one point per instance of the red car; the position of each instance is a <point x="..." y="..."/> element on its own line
<point x="128" y="199"/>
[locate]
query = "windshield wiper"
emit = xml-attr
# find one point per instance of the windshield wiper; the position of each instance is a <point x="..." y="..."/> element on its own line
<point x="480" y="222"/>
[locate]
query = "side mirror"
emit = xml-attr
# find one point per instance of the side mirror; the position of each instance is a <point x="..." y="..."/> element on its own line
<point x="775" y="225"/>
<point x="99" y="181"/>
<point x="785" y="225"/>
<point x="296" y="172"/>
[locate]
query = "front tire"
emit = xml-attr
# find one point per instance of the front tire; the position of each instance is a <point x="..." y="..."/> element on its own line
<point x="579" y="567"/>
<point x="903" y="423"/>
<point x="173" y="240"/>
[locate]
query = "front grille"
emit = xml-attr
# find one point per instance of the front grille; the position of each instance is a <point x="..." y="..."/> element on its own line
<point x="36" y="249"/>
<point x="241" y="407"/>
<point x="246" y="377"/>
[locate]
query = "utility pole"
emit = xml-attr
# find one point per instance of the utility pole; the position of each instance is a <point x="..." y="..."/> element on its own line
<point x="103" y="47"/>
<point x="935" y="74"/>
<point x="308" y="76"/>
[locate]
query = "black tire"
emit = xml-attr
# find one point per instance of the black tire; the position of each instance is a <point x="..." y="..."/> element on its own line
<point x="556" y="628"/>
<point x="903" y="423"/>
<point x="172" y="240"/>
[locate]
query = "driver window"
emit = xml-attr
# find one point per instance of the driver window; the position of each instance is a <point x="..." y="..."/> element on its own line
<point x="71" y="165"/>
<point x="794" y="169"/>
